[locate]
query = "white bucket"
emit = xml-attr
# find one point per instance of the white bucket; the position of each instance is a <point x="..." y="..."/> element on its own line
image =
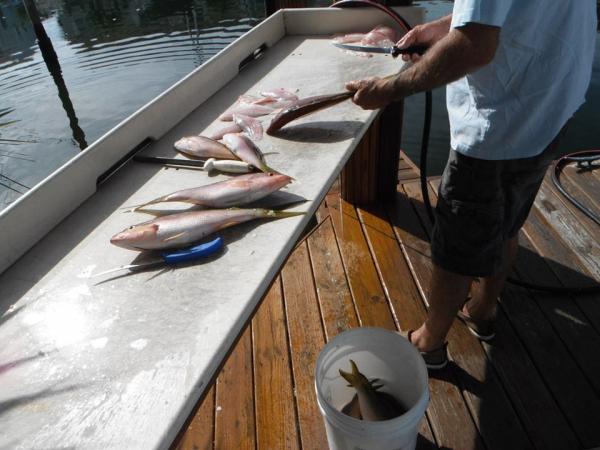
<point x="381" y="354"/>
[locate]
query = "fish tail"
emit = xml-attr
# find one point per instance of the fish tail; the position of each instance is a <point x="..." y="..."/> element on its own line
<point x="152" y="212"/>
<point x="273" y="214"/>
<point x="135" y="208"/>
<point x="355" y="378"/>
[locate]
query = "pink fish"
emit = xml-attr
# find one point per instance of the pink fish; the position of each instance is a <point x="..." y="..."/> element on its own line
<point x="250" y="125"/>
<point x="248" y="109"/>
<point x="184" y="229"/>
<point x="218" y="134"/>
<point x="279" y="94"/>
<point x="380" y="36"/>
<point x="244" y="149"/>
<point x="203" y="147"/>
<point x="225" y="194"/>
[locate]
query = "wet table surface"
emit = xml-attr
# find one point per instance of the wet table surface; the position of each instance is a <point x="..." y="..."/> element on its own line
<point x="120" y="362"/>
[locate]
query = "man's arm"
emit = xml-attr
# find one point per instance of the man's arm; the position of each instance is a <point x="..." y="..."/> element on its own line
<point x="462" y="51"/>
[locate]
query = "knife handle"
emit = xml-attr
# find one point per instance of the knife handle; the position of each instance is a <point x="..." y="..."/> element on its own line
<point x="194" y="253"/>
<point x="418" y="49"/>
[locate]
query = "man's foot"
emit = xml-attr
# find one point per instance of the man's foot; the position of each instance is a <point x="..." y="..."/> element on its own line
<point x="481" y="328"/>
<point x="434" y="359"/>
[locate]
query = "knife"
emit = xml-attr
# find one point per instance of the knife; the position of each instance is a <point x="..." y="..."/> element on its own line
<point x="210" y="164"/>
<point x="173" y="257"/>
<point x="393" y="50"/>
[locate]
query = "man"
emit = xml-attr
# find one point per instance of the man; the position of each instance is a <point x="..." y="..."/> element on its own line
<point x="516" y="72"/>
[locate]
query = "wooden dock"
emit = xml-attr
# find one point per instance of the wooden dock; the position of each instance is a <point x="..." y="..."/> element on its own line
<point x="535" y="386"/>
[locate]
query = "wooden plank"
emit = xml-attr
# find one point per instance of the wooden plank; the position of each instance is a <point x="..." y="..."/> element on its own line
<point x="306" y="341"/>
<point x="481" y="387"/>
<point x="582" y="196"/>
<point x="403" y="164"/>
<point x="369" y="298"/>
<point x="359" y="178"/>
<point x="527" y="390"/>
<point x="409" y="161"/>
<point x="584" y="185"/>
<point x="425" y="439"/>
<point x="447" y="411"/>
<point x="235" y="425"/>
<point x="276" y="421"/>
<point x="562" y="311"/>
<point x="563" y="377"/>
<point x="563" y="262"/>
<point x="407" y="175"/>
<point x="200" y="433"/>
<point x="386" y="145"/>
<point x="586" y="246"/>
<point x="337" y="308"/>
<point x="562" y="436"/>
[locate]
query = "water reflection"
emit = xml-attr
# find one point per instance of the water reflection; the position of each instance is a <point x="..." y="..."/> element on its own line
<point x="115" y="56"/>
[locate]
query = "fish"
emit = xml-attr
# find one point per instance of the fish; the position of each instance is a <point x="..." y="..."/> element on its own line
<point x="186" y="228"/>
<point x="218" y="134"/>
<point x="352" y="408"/>
<point x="380" y="36"/>
<point x="279" y="94"/>
<point x="250" y="125"/>
<point x="349" y="38"/>
<point x="304" y="107"/>
<point x="248" y="109"/>
<point x="374" y="405"/>
<point x="203" y="147"/>
<point x="244" y="149"/>
<point x="225" y="194"/>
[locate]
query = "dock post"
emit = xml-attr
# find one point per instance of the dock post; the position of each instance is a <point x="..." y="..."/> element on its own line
<point x="371" y="173"/>
<point x="272" y="6"/>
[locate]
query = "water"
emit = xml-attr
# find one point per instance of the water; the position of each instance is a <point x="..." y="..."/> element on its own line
<point x="117" y="55"/>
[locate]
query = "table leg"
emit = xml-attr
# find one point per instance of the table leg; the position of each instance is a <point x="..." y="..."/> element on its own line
<point x="371" y="173"/>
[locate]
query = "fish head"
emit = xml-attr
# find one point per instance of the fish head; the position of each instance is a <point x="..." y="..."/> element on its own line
<point x="134" y="237"/>
<point x="278" y="180"/>
<point x="184" y="144"/>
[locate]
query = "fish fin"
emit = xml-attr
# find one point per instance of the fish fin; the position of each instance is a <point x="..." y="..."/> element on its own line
<point x="347" y="376"/>
<point x="183" y="233"/>
<point x="355" y="371"/>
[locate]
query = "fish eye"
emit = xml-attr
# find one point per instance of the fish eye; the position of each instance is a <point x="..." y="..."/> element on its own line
<point x="131" y="227"/>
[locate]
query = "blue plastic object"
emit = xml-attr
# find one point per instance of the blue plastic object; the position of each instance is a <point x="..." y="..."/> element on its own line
<point x="193" y="253"/>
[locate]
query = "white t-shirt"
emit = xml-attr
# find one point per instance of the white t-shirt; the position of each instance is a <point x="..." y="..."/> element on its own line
<point x="514" y="106"/>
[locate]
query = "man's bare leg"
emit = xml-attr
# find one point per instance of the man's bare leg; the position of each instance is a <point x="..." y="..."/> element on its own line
<point x="484" y="299"/>
<point x="447" y="294"/>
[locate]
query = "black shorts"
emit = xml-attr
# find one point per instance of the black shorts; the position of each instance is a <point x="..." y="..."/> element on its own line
<point x="481" y="203"/>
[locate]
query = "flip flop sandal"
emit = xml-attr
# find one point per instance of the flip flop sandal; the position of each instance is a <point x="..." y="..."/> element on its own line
<point x="434" y="359"/>
<point x="482" y="329"/>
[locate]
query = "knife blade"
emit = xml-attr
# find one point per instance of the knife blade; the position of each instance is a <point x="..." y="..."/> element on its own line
<point x="393" y="50"/>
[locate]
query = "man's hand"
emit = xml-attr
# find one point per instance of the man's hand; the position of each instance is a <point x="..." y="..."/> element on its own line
<point x="424" y="35"/>
<point x="371" y="93"/>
